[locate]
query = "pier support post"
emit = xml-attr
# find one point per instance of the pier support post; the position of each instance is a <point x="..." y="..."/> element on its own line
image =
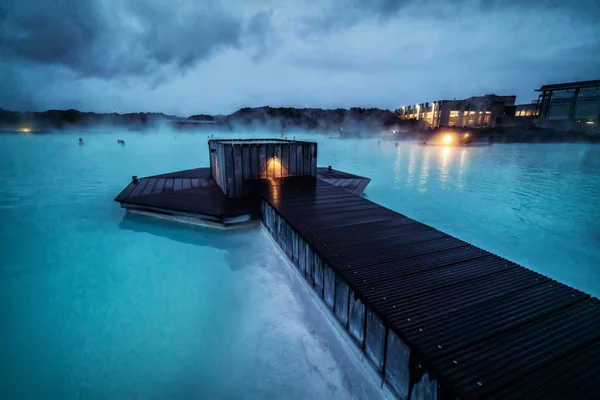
<point x="397" y="366"/>
<point x="374" y="340"/>
<point x="341" y="301"/>
<point x="356" y="325"/>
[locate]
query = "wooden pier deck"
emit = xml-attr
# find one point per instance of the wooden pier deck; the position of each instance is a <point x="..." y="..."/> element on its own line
<point x="353" y="183"/>
<point x="438" y="317"/>
<point x="191" y="193"/>
<point x="194" y="193"/>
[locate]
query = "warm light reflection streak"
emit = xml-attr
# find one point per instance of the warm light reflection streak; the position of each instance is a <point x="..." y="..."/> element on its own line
<point x="275" y="190"/>
<point x="424" y="171"/>
<point x="462" y="166"/>
<point x="444" y="169"/>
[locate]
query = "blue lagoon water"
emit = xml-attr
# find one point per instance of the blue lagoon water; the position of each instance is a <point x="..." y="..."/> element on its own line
<point x="95" y="304"/>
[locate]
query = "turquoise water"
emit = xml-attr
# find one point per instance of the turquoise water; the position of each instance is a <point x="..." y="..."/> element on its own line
<point x="98" y="305"/>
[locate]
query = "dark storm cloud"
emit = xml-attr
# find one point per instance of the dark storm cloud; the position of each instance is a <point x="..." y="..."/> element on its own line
<point x="258" y="31"/>
<point x="345" y="13"/>
<point x="214" y="56"/>
<point x="108" y="38"/>
<point x="390" y="7"/>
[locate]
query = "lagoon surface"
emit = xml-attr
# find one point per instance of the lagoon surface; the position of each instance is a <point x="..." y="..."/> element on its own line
<point x="98" y="305"/>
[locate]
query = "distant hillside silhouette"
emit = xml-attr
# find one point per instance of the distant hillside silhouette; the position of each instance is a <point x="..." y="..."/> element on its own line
<point x="64" y="119"/>
<point x="312" y="118"/>
<point x="355" y="121"/>
<point x="268" y="117"/>
<point x="201" y="117"/>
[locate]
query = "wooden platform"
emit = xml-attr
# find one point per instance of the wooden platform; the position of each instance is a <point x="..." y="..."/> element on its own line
<point x="353" y="183"/>
<point x="193" y="193"/>
<point x="190" y="193"/>
<point x="438" y="317"/>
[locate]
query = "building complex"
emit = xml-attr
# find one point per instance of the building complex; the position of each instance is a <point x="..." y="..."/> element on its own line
<point x="565" y="106"/>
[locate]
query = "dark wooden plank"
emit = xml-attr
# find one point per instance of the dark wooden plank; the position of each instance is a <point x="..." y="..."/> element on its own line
<point x="299" y="159"/>
<point x="149" y="187"/>
<point x="222" y="183"/>
<point x="246" y="170"/>
<point x="238" y="164"/>
<point x="313" y="159"/>
<point x="168" y="185"/>
<point x="254" y="162"/>
<point x="140" y="186"/>
<point x="285" y="161"/>
<point x="217" y="176"/>
<point x="306" y="158"/>
<point x="186" y="183"/>
<point x="212" y="146"/>
<point x="346" y="183"/>
<point x="262" y="160"/>
<point x="177" y="183"/>
<point x="229" y="170"/>
<point x="195" y="182"/>
<point x="292" y="160"/>
<point x="160" y="185"/>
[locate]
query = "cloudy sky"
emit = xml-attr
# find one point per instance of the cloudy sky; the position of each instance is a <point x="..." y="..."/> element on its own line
<point x="214" y="56"/>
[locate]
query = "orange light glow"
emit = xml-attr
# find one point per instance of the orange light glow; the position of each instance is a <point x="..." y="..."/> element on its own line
<point x="447" y="139"/>
<point x="25" y="130"/>
<point x="275" y="169"/>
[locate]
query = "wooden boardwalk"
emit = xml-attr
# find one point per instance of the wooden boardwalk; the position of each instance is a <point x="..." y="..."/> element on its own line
<point x="438" y="317"/>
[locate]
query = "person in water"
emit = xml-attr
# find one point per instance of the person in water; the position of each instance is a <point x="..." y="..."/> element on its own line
<point x="80" y="141"/>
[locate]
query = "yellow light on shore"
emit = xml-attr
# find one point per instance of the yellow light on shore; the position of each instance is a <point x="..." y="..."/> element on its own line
<point x="466" y="135"/>
<point x="590" y="122"/>
<point x="25" y="130"/>
<point x="447" y="139"/>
